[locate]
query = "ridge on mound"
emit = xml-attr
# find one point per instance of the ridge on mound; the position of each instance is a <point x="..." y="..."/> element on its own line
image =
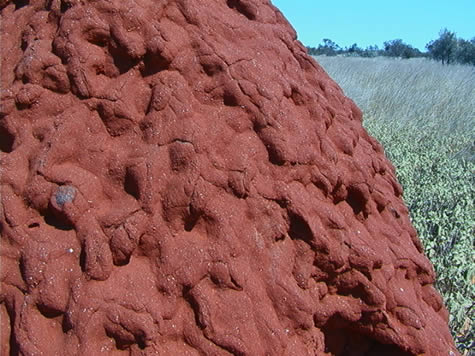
<point x="181" y="178"/>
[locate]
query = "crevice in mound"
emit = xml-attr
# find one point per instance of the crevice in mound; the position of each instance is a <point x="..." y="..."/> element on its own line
<point x="10" y="319"/>
<point x="191" y="219"/>
<point x="297" y="97"/>
<point x="66" y="323"/>
<point x="7" y="139"/>
<point x="33" y="225"/>
<point x="131" y="184"/>
<point x="299" y="229"/>
<point x="83" y="258"/>
<point x="242" y="8"/>
<point x="341" y="339"/>
<point x="190" y="299"/>
<point x="14" y="347"/>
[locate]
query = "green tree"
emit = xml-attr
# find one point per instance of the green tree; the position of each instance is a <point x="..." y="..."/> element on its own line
<point x="397" y="48"/>
<point x="370" y="51"/>
<point x="465" y="53"/>
<point x="444" y="48"/>
<point x="328" y="48"/>
<point x="354" y="50"/>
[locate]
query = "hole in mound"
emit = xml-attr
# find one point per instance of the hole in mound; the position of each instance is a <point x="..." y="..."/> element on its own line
<point x="243" y="8"/>
<point x="33" y="225"/>
<point x="380" y="207"/>
<point x="356" y="200"/>
<point x="274" y="156"/>
<point x="131" y="184"/>
<point x="48" y="312"/>
<point x="299" y="229"/>
<point x="212" y="67"/>
<point x="191" y="219"/>
<point x="125" y="339"/>
<point x="229" y="99"/>
<point x="56" y="222"/>
<point x="24" y="44"/>
<point x="83" y="258"/>
<point x="121" y="260"/>
<point x="6" y="140"/>
<point x="98" y="38"/>
<point x="154" y="63"/>
<point x="342" y="340"/>
<point x="358" y="292"/>
<point x="121" y="251"/>
<point x="121" y="59"/>
<point x="65" y="6"/>
<point x="140" y="343"/>
<point x="283" y="203"/>
<point x="21" y="3"/>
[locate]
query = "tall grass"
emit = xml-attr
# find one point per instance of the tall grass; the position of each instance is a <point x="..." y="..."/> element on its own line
<point x="424" y="115"/>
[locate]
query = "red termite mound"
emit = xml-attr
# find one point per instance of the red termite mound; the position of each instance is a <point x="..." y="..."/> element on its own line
<point x="181" y="178"/>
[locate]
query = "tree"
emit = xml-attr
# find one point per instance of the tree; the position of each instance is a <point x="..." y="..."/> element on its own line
<point x="354" y="50"/>
<point x="465" y="53"/>
<point x="397" y="48"/>
<point x="444" y="48"/>
<point x="328" y="48"/>
<point x="370" y="51"/>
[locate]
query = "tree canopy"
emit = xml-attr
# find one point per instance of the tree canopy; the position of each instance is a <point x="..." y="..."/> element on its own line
<point x="447" y="48"/>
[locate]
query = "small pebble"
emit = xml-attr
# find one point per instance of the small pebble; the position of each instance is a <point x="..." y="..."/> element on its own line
<point x="65" y="194"/>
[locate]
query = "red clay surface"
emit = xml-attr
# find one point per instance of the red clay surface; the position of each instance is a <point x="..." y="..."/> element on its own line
<point x="181" y="178"/>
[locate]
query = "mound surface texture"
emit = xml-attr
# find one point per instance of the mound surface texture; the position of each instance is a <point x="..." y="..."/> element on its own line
<point x="181" y="178"/>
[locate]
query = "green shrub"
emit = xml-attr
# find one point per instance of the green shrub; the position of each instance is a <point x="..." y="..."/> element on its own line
<point x="439" y="191"/>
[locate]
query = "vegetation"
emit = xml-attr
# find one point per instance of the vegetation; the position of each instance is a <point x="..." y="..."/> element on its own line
<point x="397" y="48"/>
<point x="424" y="115"/>
<point x="444" y="48"/>
<point x="447" y="49"/>
<point x="450" y="49"/>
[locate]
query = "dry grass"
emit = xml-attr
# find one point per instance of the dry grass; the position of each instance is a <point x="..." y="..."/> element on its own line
<point x="408" y="90"/>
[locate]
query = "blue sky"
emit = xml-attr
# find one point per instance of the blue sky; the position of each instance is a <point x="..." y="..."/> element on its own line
<point x="369" y="22"/>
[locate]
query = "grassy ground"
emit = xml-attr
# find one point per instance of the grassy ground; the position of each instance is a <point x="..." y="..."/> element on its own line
<point x="424" y="115"/>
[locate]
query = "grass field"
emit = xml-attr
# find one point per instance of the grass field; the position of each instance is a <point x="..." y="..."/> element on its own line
<point x="424" y="115"/>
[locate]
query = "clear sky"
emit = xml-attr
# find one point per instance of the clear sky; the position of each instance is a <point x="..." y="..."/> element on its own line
<point x="370" y="22"/>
